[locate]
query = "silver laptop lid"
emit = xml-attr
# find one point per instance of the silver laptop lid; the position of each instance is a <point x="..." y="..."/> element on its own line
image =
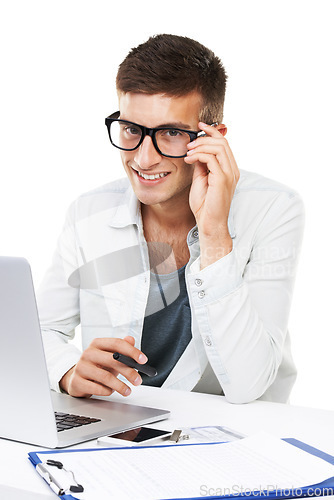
<point x="27" y="412"/>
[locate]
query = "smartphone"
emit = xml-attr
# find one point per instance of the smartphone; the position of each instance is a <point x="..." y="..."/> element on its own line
<point x="135" y="437"/>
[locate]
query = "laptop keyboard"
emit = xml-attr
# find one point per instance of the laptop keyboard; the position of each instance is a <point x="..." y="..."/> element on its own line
<point x="67" y="421"/>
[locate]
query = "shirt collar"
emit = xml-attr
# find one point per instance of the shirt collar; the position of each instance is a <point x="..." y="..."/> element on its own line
<point x="129" y="213"/>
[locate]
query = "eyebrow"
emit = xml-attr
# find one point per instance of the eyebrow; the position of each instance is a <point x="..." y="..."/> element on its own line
<point x="175" y="125"/>
<point x="181" y="125"/>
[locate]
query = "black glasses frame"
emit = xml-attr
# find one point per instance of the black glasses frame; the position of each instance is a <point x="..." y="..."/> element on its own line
<point x="147" y="131"/>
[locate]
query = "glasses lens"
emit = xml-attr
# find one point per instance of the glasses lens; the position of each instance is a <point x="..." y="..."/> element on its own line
<point x="125" y="135"/>
<point x="172" y="142"/>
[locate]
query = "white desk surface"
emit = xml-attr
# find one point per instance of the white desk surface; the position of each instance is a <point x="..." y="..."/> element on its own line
<point x="19" y="481"/>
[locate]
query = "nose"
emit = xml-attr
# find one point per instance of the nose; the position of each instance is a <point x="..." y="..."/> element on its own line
<point x="146" y="155"/>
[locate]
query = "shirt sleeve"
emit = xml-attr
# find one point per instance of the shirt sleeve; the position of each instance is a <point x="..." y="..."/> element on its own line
<point x="58" y="307"/>
<point x="242" y="304"/>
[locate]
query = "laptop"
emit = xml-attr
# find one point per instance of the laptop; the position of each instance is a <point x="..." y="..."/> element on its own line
<point x="30" y="411"/>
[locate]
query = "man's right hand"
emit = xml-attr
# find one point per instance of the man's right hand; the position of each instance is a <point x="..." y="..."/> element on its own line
<point x="96" y="371"/>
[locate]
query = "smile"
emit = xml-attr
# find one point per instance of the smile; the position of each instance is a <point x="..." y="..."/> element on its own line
<point x="152" y="177"/>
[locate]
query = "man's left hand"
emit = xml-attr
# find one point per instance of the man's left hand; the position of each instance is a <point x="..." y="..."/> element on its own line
<point x="216" y="175"/>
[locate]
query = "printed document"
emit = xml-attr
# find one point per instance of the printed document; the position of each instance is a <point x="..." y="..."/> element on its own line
<point x="257" y="463"/>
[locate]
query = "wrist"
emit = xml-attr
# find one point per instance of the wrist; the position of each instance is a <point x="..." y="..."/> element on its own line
<point x="214" y="248"/>
<point x="65" y="380"/>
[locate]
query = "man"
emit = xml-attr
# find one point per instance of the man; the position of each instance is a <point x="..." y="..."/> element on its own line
<point x="185" y="262"/>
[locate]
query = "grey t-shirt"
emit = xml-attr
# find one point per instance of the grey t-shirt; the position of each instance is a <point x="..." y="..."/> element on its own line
<point x="167" y="324"/>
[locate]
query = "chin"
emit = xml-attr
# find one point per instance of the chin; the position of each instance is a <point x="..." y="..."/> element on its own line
<point x="150" y="196"/>
<point x="151" y="200"/>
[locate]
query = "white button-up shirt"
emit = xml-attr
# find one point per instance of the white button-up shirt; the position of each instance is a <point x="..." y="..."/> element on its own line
<point x="240" y="305"/>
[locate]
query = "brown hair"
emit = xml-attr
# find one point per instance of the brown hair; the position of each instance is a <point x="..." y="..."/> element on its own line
<point x="175" y="66"/>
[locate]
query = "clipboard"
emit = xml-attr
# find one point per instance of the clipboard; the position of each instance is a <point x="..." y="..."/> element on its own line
<point x="314" y="490"/>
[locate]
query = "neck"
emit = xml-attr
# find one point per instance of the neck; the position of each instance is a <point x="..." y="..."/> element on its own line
<point x="176" y="215"/>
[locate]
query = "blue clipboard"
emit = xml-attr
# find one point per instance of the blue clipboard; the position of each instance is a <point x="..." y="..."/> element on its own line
<point x="323" y="488"/>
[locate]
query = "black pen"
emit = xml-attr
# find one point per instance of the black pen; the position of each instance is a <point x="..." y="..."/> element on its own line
<point x="148" y="370"/>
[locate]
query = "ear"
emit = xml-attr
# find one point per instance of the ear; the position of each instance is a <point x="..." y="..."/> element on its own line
<point x="221" y="128"/>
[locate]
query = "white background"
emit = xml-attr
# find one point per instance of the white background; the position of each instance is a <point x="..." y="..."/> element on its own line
<point x="58" y="65"/>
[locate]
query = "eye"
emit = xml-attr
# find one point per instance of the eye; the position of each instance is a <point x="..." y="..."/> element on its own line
<point x="171" y="132"/>
<point x="130" y="130"/>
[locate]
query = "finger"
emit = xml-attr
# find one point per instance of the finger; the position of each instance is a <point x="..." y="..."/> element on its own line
<point x="130" y="339"/>
<point x="202" y="141"/>
<point x="79" y="386"/>
<point x="213" y="142"/>
<point x="106" y="361"/>
<point x="212" y="135"/>
<point x="209" y="160"/>
<point x="222" y="145"/>
<point x="105" y="378"/>
<point x="222" y="157"/>
<point x="82" y="388"/>
<point x="119" y="345"/>
<point x="200" y="171"/>
<point x="212" y="149"/>
<point x="210" y="130"/>
<point x="215" y="145"/>
<point x="130" y="374"/>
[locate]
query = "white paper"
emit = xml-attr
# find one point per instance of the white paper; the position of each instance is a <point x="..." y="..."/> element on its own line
<point x="212" y="433"/>
<point x="256" y="463"/>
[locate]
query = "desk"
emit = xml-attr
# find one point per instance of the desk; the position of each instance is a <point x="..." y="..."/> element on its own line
<point x="18" y="480"/>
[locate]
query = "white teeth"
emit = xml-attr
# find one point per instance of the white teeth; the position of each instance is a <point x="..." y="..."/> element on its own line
<point x="152" y="177"/>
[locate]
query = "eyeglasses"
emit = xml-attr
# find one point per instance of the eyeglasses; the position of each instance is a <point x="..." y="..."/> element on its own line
<point x="128" y="136"/>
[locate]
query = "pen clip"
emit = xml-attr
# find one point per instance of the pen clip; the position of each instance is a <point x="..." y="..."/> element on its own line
<point x="177" y="436"/>
<point x="45" y="474"/>
<point x="51" y="480"/>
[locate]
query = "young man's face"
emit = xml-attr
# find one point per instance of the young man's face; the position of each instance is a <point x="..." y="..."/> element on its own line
<point x="155" y="111"/>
